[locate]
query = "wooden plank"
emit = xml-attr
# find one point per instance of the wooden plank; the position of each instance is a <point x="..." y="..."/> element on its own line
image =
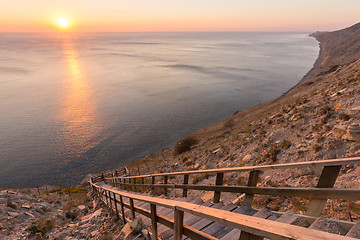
<point x="257" y="226"/>
<point x="252" y="182"/>
<point x="249" y="236"/>
<point x="328" y="162"/>
<point x="245" y="209"/>
<point x="253" y="225"/>
<point x="320" y="193"/>
<point x="219" y="181"/>
<point x="263" y="213"/>
<point x="154" y="227"/>
<point x="327" y="226"/>
<point x="327" y="180"/>
<point x="287" y="217"/>
<point x="178" y="224"/>
<point x="204" y="222"/>
<point x="354" y="231"/>
<point x="186" y="181"/>
<point x="215" y="227"/>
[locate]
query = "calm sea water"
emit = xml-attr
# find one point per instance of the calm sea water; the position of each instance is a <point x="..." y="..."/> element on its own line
<point x="77" y="104"/>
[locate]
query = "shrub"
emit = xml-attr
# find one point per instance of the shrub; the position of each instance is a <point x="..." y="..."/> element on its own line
<point x="42" y="226"/>
<point x="229" y="123"/>
<point x="11" y="204"/>
<point x="185" y="144"/>
<point x="200" y="177"/>
<point x="344" y="117"/>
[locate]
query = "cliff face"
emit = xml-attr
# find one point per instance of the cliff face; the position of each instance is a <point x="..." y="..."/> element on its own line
<point x="337" y="49"/>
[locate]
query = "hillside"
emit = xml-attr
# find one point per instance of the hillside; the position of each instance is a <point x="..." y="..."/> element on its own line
<point x="317" y="119"/>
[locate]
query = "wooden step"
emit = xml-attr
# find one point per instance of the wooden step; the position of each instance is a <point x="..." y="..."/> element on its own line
<point x="189" y="219"/>
<point x="246" y="210"/>
<point x="354" y="231"/>
<point x="205" y="222"/>
<point x="327" y="226"/>
<point x="287" y="217"/>
<point x="265" y="214"/>
<point x="215" y="227"/>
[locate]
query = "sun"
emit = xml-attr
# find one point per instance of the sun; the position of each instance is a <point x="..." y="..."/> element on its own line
<point x="63" y="22"/>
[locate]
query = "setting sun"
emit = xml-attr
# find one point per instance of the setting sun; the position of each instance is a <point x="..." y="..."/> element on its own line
<point x="63" y="22"/>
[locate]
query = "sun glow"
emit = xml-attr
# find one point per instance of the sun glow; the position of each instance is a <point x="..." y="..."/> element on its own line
<point x="63" y="22"/>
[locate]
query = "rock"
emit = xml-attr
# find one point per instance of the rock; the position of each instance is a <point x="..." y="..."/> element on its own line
<point x="215" y="151"/>
<point x="92" y="215"/>
<point x="29" y="214"/>
<point x="38" y="236"/>
<point x="246" y="158"/>
<point x="81" y="207"/>
<point x="13" y="214"/>
<point x="129" y="228"/>
<point x="355" y="109"/>
<point x="339" y="131"/>
<point x="94" y="233"/>
<point x="353" y="133"/>
<point x="146" y="234"/>
<point x="26" y="206"/>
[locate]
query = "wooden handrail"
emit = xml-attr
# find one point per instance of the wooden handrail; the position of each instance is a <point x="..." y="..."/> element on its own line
<point x="352" y="194"/>
<point x="249" y="224"/>
<point x="318" y="195"/>
<point x="320" y="163"/>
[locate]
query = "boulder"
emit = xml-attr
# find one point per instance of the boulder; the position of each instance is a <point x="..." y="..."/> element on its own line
<point x="339" y="131"/>
<point x="353" y="133"/>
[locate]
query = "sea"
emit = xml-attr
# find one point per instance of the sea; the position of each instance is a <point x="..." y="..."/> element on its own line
<point x="73" y="104"/>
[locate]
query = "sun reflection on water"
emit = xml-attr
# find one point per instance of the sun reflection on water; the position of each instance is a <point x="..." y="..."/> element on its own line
<point x="78" y="107"/>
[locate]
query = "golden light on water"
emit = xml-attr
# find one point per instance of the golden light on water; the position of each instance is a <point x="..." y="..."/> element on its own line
<point x="78" y="108"/>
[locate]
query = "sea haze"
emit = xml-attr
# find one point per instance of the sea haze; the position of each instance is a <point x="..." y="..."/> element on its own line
<point x="77" y="104"/>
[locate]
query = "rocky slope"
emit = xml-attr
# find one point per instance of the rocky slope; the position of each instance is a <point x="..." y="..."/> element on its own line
<point x="317" y="119"/>
<point x="51" y="213"/>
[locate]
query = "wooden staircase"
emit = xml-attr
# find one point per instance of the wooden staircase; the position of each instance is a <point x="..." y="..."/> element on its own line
<point x="192" y="218"/>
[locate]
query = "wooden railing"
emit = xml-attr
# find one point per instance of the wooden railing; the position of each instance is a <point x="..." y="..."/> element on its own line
<point x="318" y="195"/>
<point x="251" y="227"/>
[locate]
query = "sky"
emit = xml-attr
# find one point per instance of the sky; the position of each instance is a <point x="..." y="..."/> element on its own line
<point x="178" y="15"/>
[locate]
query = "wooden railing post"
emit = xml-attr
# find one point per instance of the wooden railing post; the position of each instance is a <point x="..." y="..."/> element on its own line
<point x="165" y="182"/>
<point x="186" y="181"/>
<point x="103" y="178"/>
<point x="116" y="180"/>
<point x="327" y="180"/>
<point x="134" y="182"/>
<point x="109" y="196"/>
<point x="153" y="221"/>
<point x="153" y="182"/>
<point x="219" y="181"/>
<point x="106" y="197"/>
<point x="132" y="209"/>
<point x="143" y="182"/>
<point x="116" y="209"/>
<point x="253" y="180"/>
<point x="178" y="224"/>
<point x="122" y="209"/>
